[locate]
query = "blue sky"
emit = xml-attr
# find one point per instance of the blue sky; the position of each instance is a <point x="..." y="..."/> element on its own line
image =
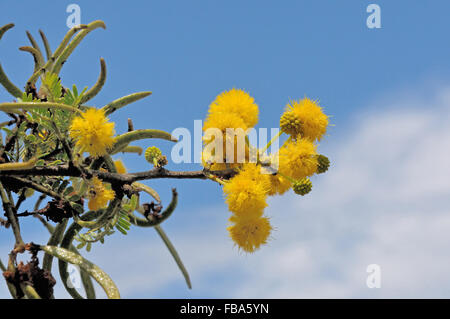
<point x="187" y="52"/>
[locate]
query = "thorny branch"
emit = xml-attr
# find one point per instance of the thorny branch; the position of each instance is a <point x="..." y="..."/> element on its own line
<point x="158" y="172"/>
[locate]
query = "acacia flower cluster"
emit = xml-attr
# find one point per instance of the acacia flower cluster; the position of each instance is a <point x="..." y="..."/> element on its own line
<point x="92" y="132"/>
<point x="246" y="192"/>
<point x="62" y="152"/>
<point x="99" y="194"/>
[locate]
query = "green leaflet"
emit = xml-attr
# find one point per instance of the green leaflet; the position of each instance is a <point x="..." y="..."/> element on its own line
<point x="99" y="275"/>
<point x="53" y="88"/>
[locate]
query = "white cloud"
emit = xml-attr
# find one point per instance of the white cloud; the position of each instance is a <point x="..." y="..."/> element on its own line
<point x="385" y="200"/>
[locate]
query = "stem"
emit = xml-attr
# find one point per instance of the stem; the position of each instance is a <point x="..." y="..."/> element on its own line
<point x="7" y="206"/>
<point x="11" y="288"/>
<point x="287" y="177"/>
<point x="130" y="125"/>
<point x="64" y="142"/>
<point x="66" y="170"/>
<point x="271" y="141"/>
<point x="21" y="199"/>
<point x="38" y="187"/>
<point x="39" y="201"/>
<point x="215" y="178"/>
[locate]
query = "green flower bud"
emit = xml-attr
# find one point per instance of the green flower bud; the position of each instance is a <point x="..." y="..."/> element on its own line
<point x="152" y="154"/>
<point x="323" y="164"/>
<point x="29" y="192"/>
<point x="289" y="123"/>
<point x="302" y="187"/>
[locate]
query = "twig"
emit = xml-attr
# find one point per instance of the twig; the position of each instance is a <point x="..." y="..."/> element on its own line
<point x="11" y="216"/>
<point x="27" y="183"/>
<point x="130" y="125"/>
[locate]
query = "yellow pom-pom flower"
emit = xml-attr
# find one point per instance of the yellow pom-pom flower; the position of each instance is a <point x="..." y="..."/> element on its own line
<point x="298" y="159"/>
<point x="238" y="102"/>
<point x="229" y="138"/>
<point x="250" y="232"/>
<point x="92" y="132"/>
<point x="304" y="118"/>
<point x="279" y="185"/>
<point x="120" y="167"/>
<point x="99" y="196"/>
<point x="246" y="192"/>
<point x="222" y="121"/>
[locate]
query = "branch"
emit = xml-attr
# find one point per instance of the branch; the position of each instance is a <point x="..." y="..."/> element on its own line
<point x="71" y="171"/>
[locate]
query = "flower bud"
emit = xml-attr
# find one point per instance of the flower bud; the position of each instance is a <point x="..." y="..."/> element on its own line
<point x="289" y="123"/>
<point x="152" y="154"/>
<point x="302" y="187"/>
<point x="322" y="164"/>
